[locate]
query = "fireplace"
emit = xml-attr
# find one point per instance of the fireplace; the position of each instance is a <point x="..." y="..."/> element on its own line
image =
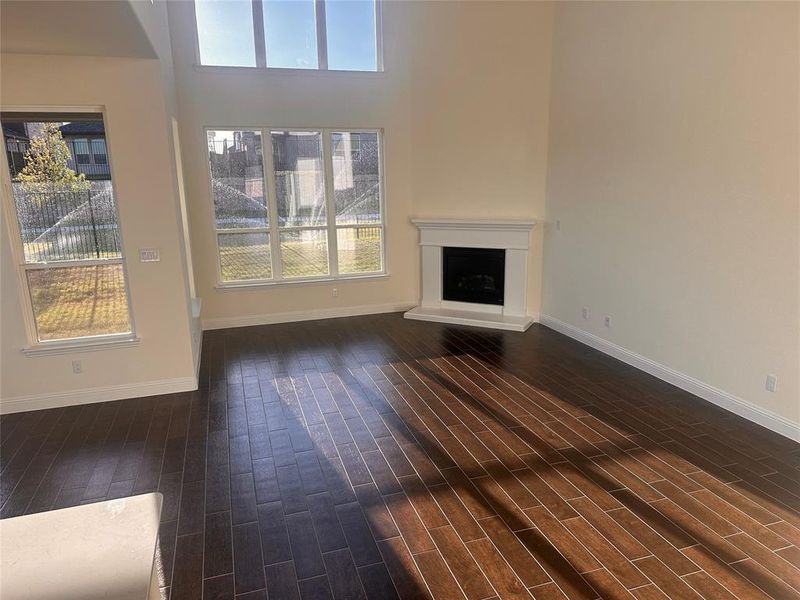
<point x="473" y="275"/>
<point x="474" y="272"/>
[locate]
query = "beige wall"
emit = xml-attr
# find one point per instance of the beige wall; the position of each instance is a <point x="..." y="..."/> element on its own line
<point x="673" y="169"/>
<point x="132" y="94"/>
<point x="463" y="105"/>
<point x="669" y="145"/>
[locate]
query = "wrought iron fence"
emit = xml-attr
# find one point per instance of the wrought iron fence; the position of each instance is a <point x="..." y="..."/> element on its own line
<point x="74" y="224"/>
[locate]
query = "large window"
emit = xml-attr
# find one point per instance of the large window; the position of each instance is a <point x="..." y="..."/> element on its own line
<point x="291" y="205"/>
<point x="341" y="35"/>
<point x="66" y="231"/>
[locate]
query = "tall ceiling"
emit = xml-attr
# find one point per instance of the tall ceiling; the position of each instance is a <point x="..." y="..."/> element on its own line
<point x="72" y="27"/>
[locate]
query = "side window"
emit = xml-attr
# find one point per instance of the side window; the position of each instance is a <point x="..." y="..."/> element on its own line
<point x="66" y="230"/>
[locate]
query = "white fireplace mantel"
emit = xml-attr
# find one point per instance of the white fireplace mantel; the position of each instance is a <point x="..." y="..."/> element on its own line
<point x="513" y="236"/>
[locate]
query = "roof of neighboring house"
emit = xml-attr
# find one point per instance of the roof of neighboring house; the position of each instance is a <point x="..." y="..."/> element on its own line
<point x="82" y="128"/>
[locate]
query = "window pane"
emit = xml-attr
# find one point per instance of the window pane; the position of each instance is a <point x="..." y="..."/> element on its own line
<point x="237" y="179"/>
<point x="290" y="28"/>
<point x="64" y="211"/>
<point x="79" y="301"/>
<point x="359" y="249"/>
<point x="225" y="32"/>
<point x="356" y="178"/>
<point x="99" y="152"/>
<point x="298" y="178"/>
<point x="245" y="256"/>
<point x="81" y="151"/>
<point x="351" y="35"/>
<point x="304" y="253"/>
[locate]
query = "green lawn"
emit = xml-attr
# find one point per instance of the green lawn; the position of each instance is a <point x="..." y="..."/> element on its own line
<point x="82" y="301"/>
<point x="357" y="254"/>
<point x="79" y="301"/>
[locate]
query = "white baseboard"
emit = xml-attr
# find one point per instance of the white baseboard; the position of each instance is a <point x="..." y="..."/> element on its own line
<point x="723" y="399"/>
<point x="304" y="315"/>
<point x="99" y="394"/>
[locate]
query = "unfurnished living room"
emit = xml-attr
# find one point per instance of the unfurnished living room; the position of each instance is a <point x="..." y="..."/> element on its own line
<point x="376" y="299"/>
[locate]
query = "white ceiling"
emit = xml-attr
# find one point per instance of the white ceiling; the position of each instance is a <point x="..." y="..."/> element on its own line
<point x="72" y="27"/>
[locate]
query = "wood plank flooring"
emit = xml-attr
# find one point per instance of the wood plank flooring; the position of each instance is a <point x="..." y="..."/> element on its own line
<point x="374" y="457"/>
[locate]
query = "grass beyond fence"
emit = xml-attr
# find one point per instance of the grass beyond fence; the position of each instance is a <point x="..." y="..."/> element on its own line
<point x="359" y="252"/>
<point x="79" y="301"/>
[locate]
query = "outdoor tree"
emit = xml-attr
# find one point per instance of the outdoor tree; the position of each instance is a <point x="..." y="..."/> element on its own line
<point x="47" y="162"/>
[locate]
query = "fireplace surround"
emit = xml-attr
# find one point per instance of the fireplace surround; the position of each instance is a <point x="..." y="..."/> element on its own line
<point x="472" y="251"/>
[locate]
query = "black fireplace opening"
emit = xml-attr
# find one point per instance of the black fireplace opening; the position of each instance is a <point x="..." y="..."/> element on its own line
<point x="473" y="275"/>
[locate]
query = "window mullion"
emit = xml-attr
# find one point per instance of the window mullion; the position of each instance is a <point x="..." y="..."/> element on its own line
<point x="258" y="34"/>
<point x="235" y="230"/>
<point x="330" y="204"/>
<point x="379" y="35"/>
<point x="272" y="204"/>
<point x="67" y="264"/>
<point x="322" y="35"/>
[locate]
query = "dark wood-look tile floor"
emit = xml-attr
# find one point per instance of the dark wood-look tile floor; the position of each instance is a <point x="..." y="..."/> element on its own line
<point x="376" y="457"/>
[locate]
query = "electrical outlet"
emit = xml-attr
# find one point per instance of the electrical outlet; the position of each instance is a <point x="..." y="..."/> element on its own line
<point x="558" y="224"/>
<point x="335" y="292"/>
<point x="77" y="367"/>
<point x="607" y="321"/>
<point x="585" y="312"/>
<point x="772" y="383"/>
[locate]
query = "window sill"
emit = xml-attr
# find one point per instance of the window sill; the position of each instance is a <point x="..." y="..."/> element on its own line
<point x="225" y="287"/>
<point x="281" y="71"/>
<point x="72" y="346"/>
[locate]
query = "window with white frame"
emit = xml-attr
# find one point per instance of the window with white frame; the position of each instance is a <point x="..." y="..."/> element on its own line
<point x="293" y="205"/>
<point x="66" y="233"/>
<point x="336" y="35"/>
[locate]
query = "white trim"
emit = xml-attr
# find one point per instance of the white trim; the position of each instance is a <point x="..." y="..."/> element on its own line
<point x="271" y="193"/>
<point x="197" y="334"/>
<point x="480" y="224"/>
<point x="729" y="402"/>
<point x="321" y="34"/>
<point x="510" y="235"/>
<point x="198" y="350"/>
<point x="471" y="318"/>
<point x="78" y="345"/>
<point x="304" y="315"/>
<point x="269" y="72"/>
<point x="321" y="29"/>
<point x="17" y="246"/>
<point x="266" y="283"/>
<point x="328" y="181"/>
<point x="197" y="306"/>
<point x="70" y="264"/>
<point x="98" y="394"/>
<point x="274" y="229"/>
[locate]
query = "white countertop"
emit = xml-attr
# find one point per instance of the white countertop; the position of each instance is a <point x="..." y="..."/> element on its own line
<point x="88" y="552"/>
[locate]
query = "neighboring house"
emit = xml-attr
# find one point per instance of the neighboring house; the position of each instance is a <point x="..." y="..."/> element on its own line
<point x="16" y="139"/>
<point x="86" y="141"/>
<point x="238" y="179"/>
<point x="87" y="145"/>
